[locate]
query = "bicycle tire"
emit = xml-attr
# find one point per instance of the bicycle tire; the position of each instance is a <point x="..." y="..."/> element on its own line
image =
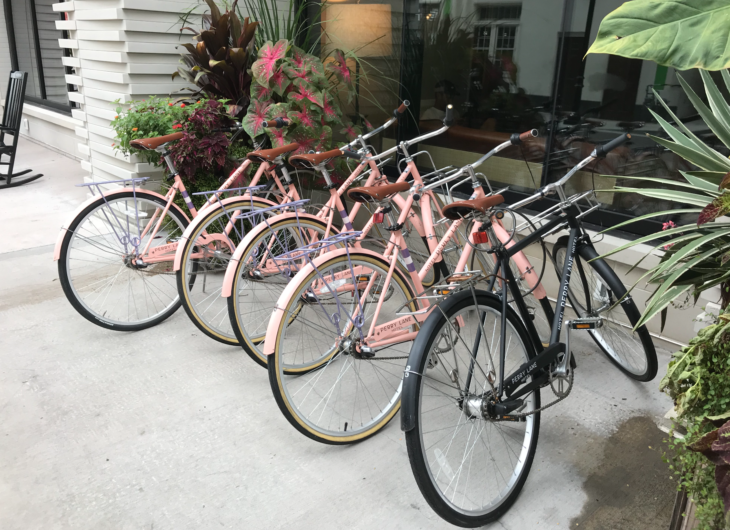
<point x="418" y="414"/>
<point x="64" y="272"/>
<point x="610" y="290"/>
<point x="187" y="274"/>
<point x="252" y="344"/>
<point x="282" y="375"/>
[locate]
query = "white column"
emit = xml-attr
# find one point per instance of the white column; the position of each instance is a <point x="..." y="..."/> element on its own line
<point x="121" y="50"/>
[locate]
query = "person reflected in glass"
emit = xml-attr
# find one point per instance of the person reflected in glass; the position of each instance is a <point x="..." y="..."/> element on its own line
<point x="444" y="94"/>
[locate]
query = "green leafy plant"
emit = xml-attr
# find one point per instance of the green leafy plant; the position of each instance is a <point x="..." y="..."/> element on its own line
<point x="291" y="24"/>
<point x="149" y="118"/>
<point x="219" y="63"/>
<point x="698" y="380"/>
<point x="679" y="33"/>
<point x="696" y="255"/>
<point x="293" y="84"/>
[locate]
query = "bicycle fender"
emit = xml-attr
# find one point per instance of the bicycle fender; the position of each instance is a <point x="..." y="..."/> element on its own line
<point x="294" y="284"/>
<point x="411" y="378"/>
<point x="264" y="203"/>
<point x="87" y="202"/>
<point x="230" y="275"/>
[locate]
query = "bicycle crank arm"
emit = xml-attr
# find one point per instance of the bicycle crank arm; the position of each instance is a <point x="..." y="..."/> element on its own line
<point x="545" y="358"/>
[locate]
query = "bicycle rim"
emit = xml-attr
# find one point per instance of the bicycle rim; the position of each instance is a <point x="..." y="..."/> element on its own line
<point x="590" y="296"/>
<point x="474" y="466"/>
<point x="329" y="392"/>
<point x="101" y="269"/>
<point x="207" y="253"/>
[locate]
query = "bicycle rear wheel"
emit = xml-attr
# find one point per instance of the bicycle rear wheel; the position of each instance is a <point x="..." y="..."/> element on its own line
<point x="594" y="291"/>
<point x="98" y="268"/>
<point x="469" y="464"/>
<point x="260" y="280"/>
<point x="205" y="256"/>
<point x="327" y="386"/>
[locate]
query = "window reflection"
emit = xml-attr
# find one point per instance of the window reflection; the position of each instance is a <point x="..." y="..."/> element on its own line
<point x="512" y="66"/>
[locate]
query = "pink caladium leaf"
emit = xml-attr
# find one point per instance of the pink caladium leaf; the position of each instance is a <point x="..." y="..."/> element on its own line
<point x="306" y="93"/>
<point x="254" y="119"/>
<point x="277" y="137"/>
<point x="325" y="138"/>
<point x="368" y="126"/>
<point x="351" y="131"/>
<point x="307" y="138"/>
<point x="298" y="73"/>
<point x="304" y="117"/>
<point x="330" y="108"/>
<point x="340" y="68"/>
<point x="301" y="60"/>
<point x="280" y="82"/>
<point x="260" y="92"/>
<point x="268" y="57"/>
<point x="278" y="110"/>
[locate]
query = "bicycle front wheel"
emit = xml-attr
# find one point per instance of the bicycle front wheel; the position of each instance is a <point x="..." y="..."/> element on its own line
<point x="594" y="291"/>
<point x="470" y="464"/>
<point x="102" y="275"/>
<point x="205" y="256"/>
<point x="326" y="383"/>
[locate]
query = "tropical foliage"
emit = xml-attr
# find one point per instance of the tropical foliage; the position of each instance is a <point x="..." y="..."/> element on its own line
<point x="679" y="33"/>
<point x="200" y="151"/>
<point x="696" y="255"/>
<point x="292" y="24"/>
<point x="291" y="83"/>
<point x="220" y="61"/>
<point x="149" y="118"/>
<point x="698" y="380"/>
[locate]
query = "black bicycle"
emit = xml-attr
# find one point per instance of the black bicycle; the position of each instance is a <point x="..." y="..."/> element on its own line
<point x="471" y="389"/>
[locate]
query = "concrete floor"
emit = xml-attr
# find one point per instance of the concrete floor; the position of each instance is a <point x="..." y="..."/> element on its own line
<point x="167" y="429"/>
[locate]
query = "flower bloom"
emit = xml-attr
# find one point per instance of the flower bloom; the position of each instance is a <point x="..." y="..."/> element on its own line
<point x="169" y="104"/>
<point x="177" y="126"/>
<point x="668" y="225"/>
<point x="116" y="117"/>
<point x="182" y="105"/>
<point x="112" y="144"/>
<point x="134" y="129"/>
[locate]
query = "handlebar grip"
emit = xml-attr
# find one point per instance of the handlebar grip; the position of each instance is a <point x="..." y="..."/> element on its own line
<point x="400" y="110"/>
<point x="603" y="150"/>
<point x="351" y="154"/>
<point x="449" y="118"/>
<point x="276" y="123"/>
<point x="517" y="138"/>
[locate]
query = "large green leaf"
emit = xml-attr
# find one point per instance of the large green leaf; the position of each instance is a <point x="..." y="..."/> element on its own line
<point x="650" y="215"/>
<point x="697" y="158"/>
<point x="686" y="251"/>
<point x="668" y="182"/>
<point x="680" y="33"/>
<point x="668" y="195"/>
<point x="714" y="123"/>
<point x="701" y="183"/>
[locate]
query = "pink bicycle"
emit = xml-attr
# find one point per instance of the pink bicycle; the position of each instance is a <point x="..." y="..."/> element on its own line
<point x="115" y="255"/>
<point x="343" y="327"/>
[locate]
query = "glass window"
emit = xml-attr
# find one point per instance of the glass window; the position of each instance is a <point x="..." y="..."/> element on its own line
<point x="33" y="32"/>
<point x="508" y="67"/>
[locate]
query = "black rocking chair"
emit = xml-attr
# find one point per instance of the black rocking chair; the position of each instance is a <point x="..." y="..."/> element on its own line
<point x="11" y="126"/>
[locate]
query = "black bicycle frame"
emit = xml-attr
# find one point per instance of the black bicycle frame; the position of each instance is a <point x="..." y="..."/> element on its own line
<point x="576" y="237"/>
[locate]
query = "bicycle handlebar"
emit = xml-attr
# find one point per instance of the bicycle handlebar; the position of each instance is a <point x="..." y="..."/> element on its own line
<point x="599" y="152"/>
<point x="397" y="113"/>
<point x="603" y="150"/>
<point x="517" y="139"/>
<point x="350" y="154"/>
<point x="276" y="123"/>
<point x="449" y="118"/>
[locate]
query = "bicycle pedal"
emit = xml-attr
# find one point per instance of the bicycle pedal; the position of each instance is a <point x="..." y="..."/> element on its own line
<point x="585" y="323"/>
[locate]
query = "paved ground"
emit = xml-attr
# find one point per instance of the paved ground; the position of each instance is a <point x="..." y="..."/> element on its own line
<point x="167" y="429"/>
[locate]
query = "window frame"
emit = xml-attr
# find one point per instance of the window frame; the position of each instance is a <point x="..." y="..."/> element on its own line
<point x="42" y="101"/>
